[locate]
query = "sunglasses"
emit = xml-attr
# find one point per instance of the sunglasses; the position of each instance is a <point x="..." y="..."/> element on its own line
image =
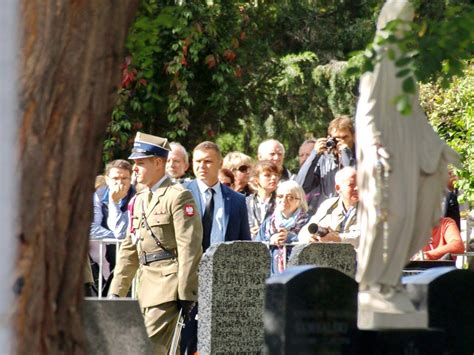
<point x="243" y="168"/>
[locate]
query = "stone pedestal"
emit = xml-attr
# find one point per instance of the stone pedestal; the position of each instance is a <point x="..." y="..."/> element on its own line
<point x="115" y="327"/>
<point x="339" y="256"/>
<point x="369" y="319"/>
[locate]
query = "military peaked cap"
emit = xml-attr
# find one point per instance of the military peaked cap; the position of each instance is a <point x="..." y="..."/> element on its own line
<point x="146" y="146"/>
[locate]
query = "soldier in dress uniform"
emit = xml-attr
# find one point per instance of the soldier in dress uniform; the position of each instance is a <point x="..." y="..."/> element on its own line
<point x="164" y="243"/>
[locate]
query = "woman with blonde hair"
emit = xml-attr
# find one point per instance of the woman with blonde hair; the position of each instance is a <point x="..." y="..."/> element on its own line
<point x="240" y="164"/>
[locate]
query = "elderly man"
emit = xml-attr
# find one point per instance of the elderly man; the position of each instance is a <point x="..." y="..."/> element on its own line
<point x="317" y="174"/>
<point x="274" y="151"/>
<point x="338" y="215"/>
<point x="177" y="163"/>
<point x="305" y="150"/>
<point x="163" y="243"/>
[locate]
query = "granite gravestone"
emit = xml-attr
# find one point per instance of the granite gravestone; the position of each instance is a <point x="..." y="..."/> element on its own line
<point x="448" y="296"/>
<point x="115" y="327"/>
<point x="231" y="296"/>
<point x="400" y="341"/>
<point x="310" y="310"/>
<point x="339" y="256"/>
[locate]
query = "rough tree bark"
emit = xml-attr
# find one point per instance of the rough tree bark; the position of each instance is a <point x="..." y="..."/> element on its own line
<point x="70" y="66"/>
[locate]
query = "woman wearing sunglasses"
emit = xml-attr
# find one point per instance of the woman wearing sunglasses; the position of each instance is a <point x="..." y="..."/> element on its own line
<point x="283" y="226"/>
<point x="240" y="165"/>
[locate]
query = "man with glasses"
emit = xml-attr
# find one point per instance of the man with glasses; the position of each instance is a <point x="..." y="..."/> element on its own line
<point x="336" y="218"/>
<point x="110" y="215"/>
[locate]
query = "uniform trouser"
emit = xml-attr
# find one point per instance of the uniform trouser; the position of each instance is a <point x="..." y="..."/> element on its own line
<point x="160" y="323"/>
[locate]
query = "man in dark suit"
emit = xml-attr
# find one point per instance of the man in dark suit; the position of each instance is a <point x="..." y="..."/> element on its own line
<point x="223" y="212"/>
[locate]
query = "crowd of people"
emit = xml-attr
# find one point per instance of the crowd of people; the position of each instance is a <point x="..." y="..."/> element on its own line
<point x="166" y="219"/>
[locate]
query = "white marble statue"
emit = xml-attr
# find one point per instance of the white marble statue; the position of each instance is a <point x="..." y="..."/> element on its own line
<point x="402" y="171"/>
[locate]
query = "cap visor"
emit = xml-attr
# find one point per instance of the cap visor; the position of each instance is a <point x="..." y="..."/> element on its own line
<point x="137" y="155"/>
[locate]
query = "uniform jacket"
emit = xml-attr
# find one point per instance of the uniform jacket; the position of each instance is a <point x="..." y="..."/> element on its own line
<point x="235" y="211"/>
<point x="174" y="218"/>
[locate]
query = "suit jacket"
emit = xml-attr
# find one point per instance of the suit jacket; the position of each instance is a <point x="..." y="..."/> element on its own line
<point x="236" y="221"/>
<point x="173" y="217"/>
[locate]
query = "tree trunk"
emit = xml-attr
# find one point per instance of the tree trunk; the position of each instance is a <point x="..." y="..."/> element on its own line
<point x="70" y="66"/>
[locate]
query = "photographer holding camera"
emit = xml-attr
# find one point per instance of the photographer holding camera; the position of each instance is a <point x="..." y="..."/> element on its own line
<point x="317" y="175"/>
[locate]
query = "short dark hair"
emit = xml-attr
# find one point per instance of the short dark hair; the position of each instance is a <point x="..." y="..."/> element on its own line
<point x="206" y="145"/>
<point x="119" y="164"/>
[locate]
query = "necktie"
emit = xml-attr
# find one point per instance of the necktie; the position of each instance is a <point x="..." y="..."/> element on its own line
<point x="149" y="197"/>
<point x="207" y="219"/>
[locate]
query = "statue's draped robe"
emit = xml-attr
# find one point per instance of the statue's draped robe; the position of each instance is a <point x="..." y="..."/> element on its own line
<point x="418" y="169"/>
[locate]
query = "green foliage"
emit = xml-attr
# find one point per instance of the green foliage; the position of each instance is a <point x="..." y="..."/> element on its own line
<point x="451" y="112"/>
<point x="435" y="45"/>
<point x="237" y="72"/>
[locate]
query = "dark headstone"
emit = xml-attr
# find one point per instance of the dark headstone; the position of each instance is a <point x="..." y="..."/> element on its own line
<point x="115" y="327"/>
<point x="231" y="296"/>
<point x="310" y="310"/>
<point x="339" y="256"/>
<point x="448" y="296"/>
<point x="397" y="342"/>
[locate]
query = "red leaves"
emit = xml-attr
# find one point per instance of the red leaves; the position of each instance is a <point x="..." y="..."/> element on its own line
<point x="128" y="75"/>
<point x="211" y="61"/>
<point x="229" y="55"/>
<point x="238" y="72"/>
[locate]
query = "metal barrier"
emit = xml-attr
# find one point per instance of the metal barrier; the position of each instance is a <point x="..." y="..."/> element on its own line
<point x="284" y="253"/>
<point x="102" y="249"/>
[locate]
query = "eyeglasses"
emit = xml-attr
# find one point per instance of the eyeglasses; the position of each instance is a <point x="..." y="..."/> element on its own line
<point x="243" y="168"/>
<point x="289" y="198"/>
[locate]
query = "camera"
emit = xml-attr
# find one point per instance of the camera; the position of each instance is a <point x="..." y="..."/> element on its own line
<point x="331" y="142"/>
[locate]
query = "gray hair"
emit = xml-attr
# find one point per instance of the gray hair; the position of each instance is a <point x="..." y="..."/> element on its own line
<point x="294" y="188"/>
<point x="262" y="146"/>
<point x="343" y="174"/>
<point x="178" y="146"/>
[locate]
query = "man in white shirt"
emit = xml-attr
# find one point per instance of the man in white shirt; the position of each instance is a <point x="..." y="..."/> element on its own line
<point x="223" y="211"/>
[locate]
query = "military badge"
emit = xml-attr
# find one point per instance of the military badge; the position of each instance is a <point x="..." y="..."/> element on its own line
<point x="189" y="210"/>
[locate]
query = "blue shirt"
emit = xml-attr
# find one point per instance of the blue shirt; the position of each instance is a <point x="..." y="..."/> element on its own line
<point x="218" y="228"/>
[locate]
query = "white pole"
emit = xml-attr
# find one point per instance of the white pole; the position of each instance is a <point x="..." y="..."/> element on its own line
<point x="8" y="161"/>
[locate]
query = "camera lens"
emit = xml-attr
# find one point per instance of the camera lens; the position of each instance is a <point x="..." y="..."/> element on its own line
<point x="331" y="143"/>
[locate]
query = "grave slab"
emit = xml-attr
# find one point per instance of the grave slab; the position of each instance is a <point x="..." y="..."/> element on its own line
<point x="447" y="294"/>
<point x="339" y="256"/>
<point x="231" y="298"/>
<point x="310" y="310"/>
<point x="115" y="327"/>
